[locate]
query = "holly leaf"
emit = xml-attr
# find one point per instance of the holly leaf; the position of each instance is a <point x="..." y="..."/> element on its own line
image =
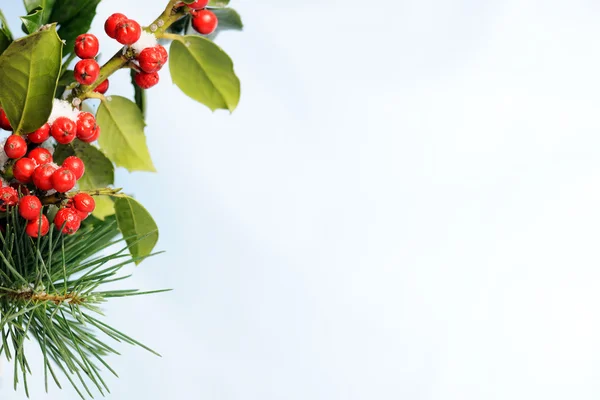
<point x="99" y="170"/>
<point x="29" y="70"/>
<point x="137" y="226"/>
<point x="139" y="95"/>
<point x="204" y="72"/>
<point x="45" y="5"/>
<point x="33" y="21"/>
<point x="104" y="207"/>
<point x="75" y="18"/>
<point x="5" y="34"/>
<point x="122" y="137"/>
<point x="218" y="3"/>
<point x="229" y="20"/>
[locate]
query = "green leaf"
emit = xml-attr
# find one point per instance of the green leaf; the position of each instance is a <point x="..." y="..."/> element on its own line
<point x="29" y="70"/>
<point x="204" y="72"/>
<point x="99" y="170"/>
<point x="45" y="5"/>
<point x="229" y="19"/>
<point x="139" y="95"/>
<point x="75" y="18"/>
<point x="33" y="21"/>
<point x="4" y="41"/>
<point x="218" y="3"/>
<point x="4" y="27"/>
<point x="137" y="226"/>
<point x="105" y="207"/>
<point x="122" y="138"/>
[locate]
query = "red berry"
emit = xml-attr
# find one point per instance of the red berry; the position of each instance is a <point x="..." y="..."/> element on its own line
<point x="151" y="59"/>
<point x="30" y="207"/>
<point x="15" y="146"/>
<point x="23" y="169"/>
<point x="111" y="23"/>
<point x="128" y="32"/>
<point x="75" y="165"/>
<point x="40" y="156"/>
<point x="67" y="221"/>
<point x="86" y="46"/>
<point x="41" y="135"/>
<point x="8" y="197"/>
<point x="102" y="88"/>
<point x="63" y="180"/>
<point x="205" y="22"/>
<point x="40" y="225"/>
<point x="164" y="53"/>
<point x="64" y="130"/>
<point x="84" y="202"/>
<point x="146" y="80"/>
<point x="86" y="123"/>
<point x="94" y="136"/>
<point x="86" y="71"/>
<point x="198" y="5"/>
<point x="4" y="122"/>
<point x="42" y="176"/>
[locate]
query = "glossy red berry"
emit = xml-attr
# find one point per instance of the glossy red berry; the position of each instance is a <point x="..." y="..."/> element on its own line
<point x="94" y="136"/>
<point x="84" y="202"/>
<point x="8" y="197"/>
<point x="111" y="23"/>
<point x="40" y="156"/>
<point x="30" y="207"/>
<point x="146" y="80"/>
<point x="151" y="59"/>
<point x="64" y="130"/>
<point x="164" y="53"/>
<point x="41" y="135"/>
<point x="198" y="5"/>
<point x="4" y="122"/>
<point x="75" y="164"/>
<point x="39" y="226"/>
<point x="23" y="169"/>
<point x="15" y="146"/>
<point x="86" y="71"/>
<point x="86" y="46"/>
<point x="63" y="180"/>
<point x="67" y="221"/>
<point x="205" y="22"/>
<point x="42" y="176"/>
<point x="127" y="32"/>
<point x="103" y="87"/>
<point x="86" y="123"/>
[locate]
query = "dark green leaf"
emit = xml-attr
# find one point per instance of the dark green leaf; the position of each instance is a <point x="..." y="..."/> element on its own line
<point x="4" y="27"/>
<point x="75" y="18"/>
<point x="139" y="95"/>
<point x="4" y="41"/>
<point x="229" y="19"/>
<point x="99" y="170"/>
<point x="45" y="5"/>
<point x="122" y="138"/>
<point x="33" y="21"/>
<point x="137" y="226"/>
<point x="29" y="70"/>
<point x="180" y="26"/>
<point x="204" y="72"/>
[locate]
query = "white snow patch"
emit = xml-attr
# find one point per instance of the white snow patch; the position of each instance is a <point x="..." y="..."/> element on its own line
<point x="61" y="108"/>
<point x="146" y="40"/>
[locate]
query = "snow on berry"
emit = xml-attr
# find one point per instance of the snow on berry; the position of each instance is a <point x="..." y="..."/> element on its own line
<point x="61" y="108"/>
<point x="49" y="145"/>
<point x="145" y="41"/>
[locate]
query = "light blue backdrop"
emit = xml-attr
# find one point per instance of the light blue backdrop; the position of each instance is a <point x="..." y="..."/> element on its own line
<point x="406" y="205"/>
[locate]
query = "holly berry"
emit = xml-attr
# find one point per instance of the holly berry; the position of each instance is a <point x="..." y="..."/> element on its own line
<point x="30" y="207"/>
<point x="75" y="164"/>
<point x="86" y="123"/>
<point x="23" y="169"/>
<point x="146" y="80"/>
<point x="39" y="225"/>
<point x="63" y="180"/>
<point x="164" y="53"/>
<point x="151" y="59"/>
<point x="41" y="135"/>
<point x="84" y="202"/>
<point x="40" y="155"/>
<point x="205" y="22"/>
<point x="67" y="221"/>
<point x="110" y="26"/>
<point x="8" y="197"/>
<point x="103" y="87"/>
<point x="94" y="136"/>
<point x="127" y="32"/>
<point x="42" y="176"/>
<point x="4" y="122"/>
<point x="63" y="129"/>
<point x="86" y="46"/>
<point x="86" y="71"/>
<point x="15" y="146"/>
<point x="198" y="5"/>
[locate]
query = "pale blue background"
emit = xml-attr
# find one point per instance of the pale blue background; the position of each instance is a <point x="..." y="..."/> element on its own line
<point x="406" y="205"/>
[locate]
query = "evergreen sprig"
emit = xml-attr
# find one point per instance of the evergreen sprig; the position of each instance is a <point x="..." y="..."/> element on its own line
<point x="50" y="289"/>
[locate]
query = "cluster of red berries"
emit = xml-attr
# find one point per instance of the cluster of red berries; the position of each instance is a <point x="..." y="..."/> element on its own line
<point x="34" y="169"/>
<point x="87" y="69"/>
<point x="204" y="21"/>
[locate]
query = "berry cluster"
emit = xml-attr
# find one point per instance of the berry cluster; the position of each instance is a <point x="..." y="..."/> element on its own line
<point x="149" y="55"/>
<point x="87" y="69"/>
<point x="37" y="176"/>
